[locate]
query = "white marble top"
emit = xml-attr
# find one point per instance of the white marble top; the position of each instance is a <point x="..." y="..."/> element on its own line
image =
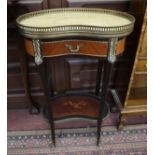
<point x="75" y="21"/>
<point x="75" y="18"/>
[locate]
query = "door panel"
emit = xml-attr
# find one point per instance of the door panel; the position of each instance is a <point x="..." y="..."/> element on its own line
<point x="82" y="72"/>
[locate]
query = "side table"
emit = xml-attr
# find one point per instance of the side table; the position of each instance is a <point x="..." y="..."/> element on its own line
<point x="97" y="33"/>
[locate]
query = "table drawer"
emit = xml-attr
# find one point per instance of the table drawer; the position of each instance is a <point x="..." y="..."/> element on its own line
<point x="137" y="102"/>
<point x="69" y="47"/>
<point x="143" y="48"/>
<point x="75" y="47"/>
<point x="139" y="80"/>
<point x="141" y="66"/>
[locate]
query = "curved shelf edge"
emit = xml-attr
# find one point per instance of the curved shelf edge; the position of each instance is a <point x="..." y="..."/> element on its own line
<point x="73" y="106"/>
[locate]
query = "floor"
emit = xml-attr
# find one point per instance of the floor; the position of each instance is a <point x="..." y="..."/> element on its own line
<point x="21" y="120"/>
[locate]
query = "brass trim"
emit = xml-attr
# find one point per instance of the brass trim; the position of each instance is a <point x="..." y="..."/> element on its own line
<point x="73" y="50"/>
<point x="112" y="49"/>
<point x="91" y="31"/>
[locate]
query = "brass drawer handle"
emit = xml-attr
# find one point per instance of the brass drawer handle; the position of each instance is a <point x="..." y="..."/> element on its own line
<point x="70" y="47"/>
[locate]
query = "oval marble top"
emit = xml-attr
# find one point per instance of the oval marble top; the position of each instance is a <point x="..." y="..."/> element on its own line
<point x="72" y="20"/>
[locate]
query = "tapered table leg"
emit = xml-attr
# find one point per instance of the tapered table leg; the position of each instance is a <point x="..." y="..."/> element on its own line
<point x="108" y="67"/>
<point x="34" y="108"/>
<point x="106" y="80"/>
<point x="98" y="78"/>
<point x="42" y="69"/>
<point x="50" y="88"/>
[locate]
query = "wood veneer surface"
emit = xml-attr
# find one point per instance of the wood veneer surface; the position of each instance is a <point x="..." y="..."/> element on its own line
<point x="75" y="106"/>
<point x="92" y="48"/>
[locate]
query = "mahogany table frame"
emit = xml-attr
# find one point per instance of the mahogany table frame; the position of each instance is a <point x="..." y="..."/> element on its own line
<point x="110" y="34"/>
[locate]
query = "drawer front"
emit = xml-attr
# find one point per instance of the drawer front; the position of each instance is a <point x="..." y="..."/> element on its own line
<point x="75" y="47"/>
<point x="69" y="47"/>
<point x="138" y="93"/>
<point x="141" y="66"/>
<point x="143" y="49"/>
<point x="137" y="102"/>
<point x="140" y="80"/>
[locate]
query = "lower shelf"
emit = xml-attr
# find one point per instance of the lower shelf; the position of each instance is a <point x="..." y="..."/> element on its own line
<point x="76" y="106"/>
